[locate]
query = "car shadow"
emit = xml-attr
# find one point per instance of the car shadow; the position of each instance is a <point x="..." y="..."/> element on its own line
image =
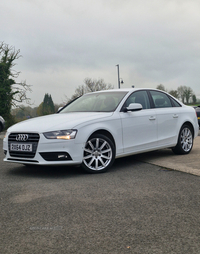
<point x="46" y="171"/>
<point x="71" y="171"/>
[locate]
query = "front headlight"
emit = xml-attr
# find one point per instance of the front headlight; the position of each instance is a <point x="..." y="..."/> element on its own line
<point x="64" y="134"/>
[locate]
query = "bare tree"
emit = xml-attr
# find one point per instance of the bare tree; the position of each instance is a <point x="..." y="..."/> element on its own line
<point x="185" y="93"/>
<point x="90" y="85"/>
<point x="181" y="93"/>
<point x="174" y="93"/>
<point x="161" y="87"/>
<point x="11" y="92"/>
<point x="188" y="94"/>
<point x="93" y="85"/>
<point x="194" y="98"/>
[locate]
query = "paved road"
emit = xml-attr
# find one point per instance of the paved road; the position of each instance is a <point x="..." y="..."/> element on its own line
<point x="134" y="208"/>
<point x="189" y="163"/>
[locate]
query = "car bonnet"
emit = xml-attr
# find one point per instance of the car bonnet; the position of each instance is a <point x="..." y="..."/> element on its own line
<point x="56" y="122"/>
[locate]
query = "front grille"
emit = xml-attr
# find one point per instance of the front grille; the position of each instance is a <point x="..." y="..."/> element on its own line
<point x="33" y="138"/>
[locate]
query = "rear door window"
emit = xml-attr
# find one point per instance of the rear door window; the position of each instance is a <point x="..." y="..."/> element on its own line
<point x="161" y="100"/>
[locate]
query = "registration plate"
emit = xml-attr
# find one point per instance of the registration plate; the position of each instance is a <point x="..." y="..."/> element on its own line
<point x="198" y="117"/>
<point x="21" y="147"/>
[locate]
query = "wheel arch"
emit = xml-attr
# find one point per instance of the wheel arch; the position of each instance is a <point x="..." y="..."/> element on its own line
<point x="181" y="126"/>
<point x="191" y="125"/>
<point x="105" y="133"/>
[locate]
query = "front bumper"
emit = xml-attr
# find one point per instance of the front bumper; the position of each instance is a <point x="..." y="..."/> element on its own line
<point x="48" y="152"/>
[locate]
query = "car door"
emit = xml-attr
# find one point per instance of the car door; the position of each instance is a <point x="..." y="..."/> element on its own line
<point x="139" y="128"/>
<point x="168" y="116"/>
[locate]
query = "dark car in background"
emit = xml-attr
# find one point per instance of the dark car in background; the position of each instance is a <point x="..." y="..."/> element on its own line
<point x="198" y="113"/>
<point x="2" y="123"/>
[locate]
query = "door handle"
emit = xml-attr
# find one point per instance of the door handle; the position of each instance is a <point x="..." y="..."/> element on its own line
<point x="152" y="118"/>
<point x="175" y="116"/>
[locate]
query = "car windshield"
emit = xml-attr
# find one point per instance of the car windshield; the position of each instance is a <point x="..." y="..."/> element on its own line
<point x="96" y="102"/>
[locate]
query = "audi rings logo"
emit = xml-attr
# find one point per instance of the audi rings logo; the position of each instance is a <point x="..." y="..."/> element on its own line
<point x="22" y="137"/>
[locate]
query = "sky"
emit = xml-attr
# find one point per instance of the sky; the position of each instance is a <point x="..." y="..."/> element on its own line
<point x="62" y="42"/>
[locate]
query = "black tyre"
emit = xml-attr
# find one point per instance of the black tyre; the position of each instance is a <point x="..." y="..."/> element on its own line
<point x="185" y="140"/>
<point x="99" y="154"/>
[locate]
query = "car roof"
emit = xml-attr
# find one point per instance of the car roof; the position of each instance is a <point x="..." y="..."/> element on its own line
<point x="131" y="90"/>
<point x="125" y="90"/>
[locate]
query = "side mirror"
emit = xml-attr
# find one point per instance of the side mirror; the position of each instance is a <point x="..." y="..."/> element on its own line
<point x="133" y="107"/>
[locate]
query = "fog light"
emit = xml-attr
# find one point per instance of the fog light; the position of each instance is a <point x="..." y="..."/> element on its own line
<point x="62" y="156"/>
<point x="56" y="156"/>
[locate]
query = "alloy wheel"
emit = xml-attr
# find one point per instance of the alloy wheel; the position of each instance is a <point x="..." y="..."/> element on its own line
<point x="186" y="139"/>
<point x="98" y="154"/>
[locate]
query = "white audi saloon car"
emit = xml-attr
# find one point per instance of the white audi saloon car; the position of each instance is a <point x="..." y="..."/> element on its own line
<point x="98" y="127"/>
